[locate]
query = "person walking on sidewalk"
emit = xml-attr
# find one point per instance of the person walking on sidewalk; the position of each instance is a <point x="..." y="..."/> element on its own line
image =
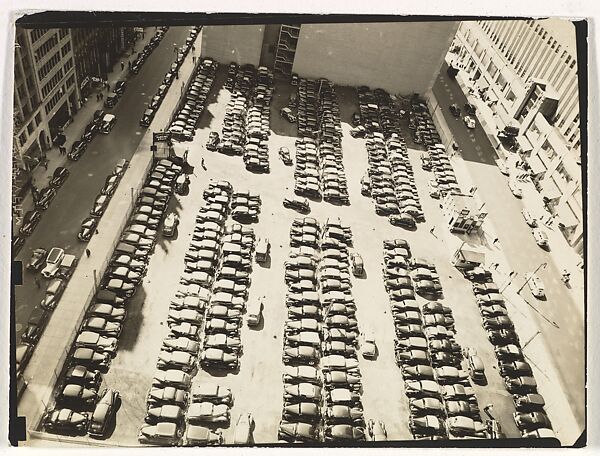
<point x="122" y="65"/>
<point x="202" y="164"/>
<point x="87" y="252"/>
<point x="431" y="230"/>
<point x="129" y="65"/>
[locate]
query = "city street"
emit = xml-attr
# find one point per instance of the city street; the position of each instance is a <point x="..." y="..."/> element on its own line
<point x="560" y="322"/>
<point x="61" y="222"/>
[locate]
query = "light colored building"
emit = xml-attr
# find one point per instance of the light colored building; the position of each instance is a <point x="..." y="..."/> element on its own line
<point x="527" y="72"/>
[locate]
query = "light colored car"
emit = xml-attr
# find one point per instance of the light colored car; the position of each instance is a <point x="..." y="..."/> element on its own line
<point x="515" y="188"/>
<point x="469" y="122"/>
<point x="53" y="261"/>
<point x="529" y="219"/>
<point x="541" y="238"/>
<point x="369" y="347"/>
<point x="170" y="224"/>
<point x="254" y="312"/>
<point x="535" y="285"/>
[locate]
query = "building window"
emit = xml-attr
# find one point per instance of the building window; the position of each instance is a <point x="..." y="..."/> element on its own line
<point x="52" y="83"/>
<point x="45" y="48"/>
<point x="548" y="150"/>
<point x="38" y="118"/>
<point x="71" y="80"/>
<point x="560" y="169"/>
<point x="65" y="49"/>
<point x="30" y="128"/>
<point x="63" y="33"/>
<point x="68" y="64"/>
<point x="37" y="34"/>
<point x="572" y="64"/>
<point x="49" y="65"/>
<point x="22" y="139"/>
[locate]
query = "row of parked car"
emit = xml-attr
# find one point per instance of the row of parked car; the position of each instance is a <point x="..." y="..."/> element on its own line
<point x="246" y="126"/>
<point x="322" y="381"/>
<point x="442" y="402"/>
<point x="142" y="56"/>
<point x="377" y="113"/>
<point x="162" y="90"/>
<point x="96" y="342"/>
<point x="390" y="181"/>
<point x="444" y="182"/>
<point x="319" y="165"/>
<point x="421" y="124"/>
<point x="173" y="404"/>
<point x="193" y="102"/>
<point x="530" y="416"/>
<point x="89" y="224"/>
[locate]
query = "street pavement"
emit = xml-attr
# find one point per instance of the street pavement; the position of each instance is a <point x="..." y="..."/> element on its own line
<point x="559" y="320"/>
<point x="61" y="222"/>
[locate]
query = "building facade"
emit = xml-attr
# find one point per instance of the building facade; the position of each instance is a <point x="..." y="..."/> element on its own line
<point x="96" y="50"/>
<point x="527" y="72"/>
<point x="372" y="54"/>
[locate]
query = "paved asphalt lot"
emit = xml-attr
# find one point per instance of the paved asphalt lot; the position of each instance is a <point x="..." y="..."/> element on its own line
<point x="61" y="222"/>
<point x="566" y="341"/>
<point x="257" y="386"/>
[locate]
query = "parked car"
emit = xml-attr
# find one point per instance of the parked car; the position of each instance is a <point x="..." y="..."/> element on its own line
<point x="469" y="122"/>
<point x="44" y="198"/>
<point x="37" y="260"/>
<point x="53" y="261"/>
<point x="163" y="433"/>
<point x="170" y="224"/>
<point x="535" y="285"/>
<point x="77" y="150"/>
<point x="30" y="221"/>
<point x="515" y="188"/>
<point x="541" y="238"/>
<point x="529" y="219"/>
<point x="65" y="421"/>
<point x="59" y="177"/>
<point x="104" y="413"/>
<point x="76" y="396"/>
<point x="244" y="428"/>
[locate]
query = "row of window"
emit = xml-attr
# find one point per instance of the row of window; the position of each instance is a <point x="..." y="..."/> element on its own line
<point x="30" y="129"/>
<point x="51" y="84"/>
<point x="36" y="34"/>
<point x="65" y="49"/>
<point x="58" y="95"/>
<point x="46" y="47"/>
<point x="49" y="65"/>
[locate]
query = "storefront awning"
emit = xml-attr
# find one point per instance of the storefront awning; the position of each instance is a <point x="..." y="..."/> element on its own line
<point x="550" y="190"/>
<point x="536" y="165"/>
<point x="524" y="144"/>
<point x="567" y="217"/>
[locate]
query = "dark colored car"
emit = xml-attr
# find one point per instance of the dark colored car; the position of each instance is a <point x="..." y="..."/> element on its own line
<point x="35" y="325"/>
<point x="455" y="110"/>
<point x="213" y="141"/>
<point x="98" y="116"/>
<point x="30" y="221"/>
<point x="147" y="117"/>
<point x="111" y="101"/>
<point x="44" y="198"/>
<point x="88" y="227"/>
<point x="17" y="244"/>
<point x="37" y="260"/>
<point x="76" y="396"/>
<point x="120" y="87"/>
<point x="59" y="177"/>
<point x="77" y="150"/>
<point x="90" y="131"/>
<point x="104" y="413"/>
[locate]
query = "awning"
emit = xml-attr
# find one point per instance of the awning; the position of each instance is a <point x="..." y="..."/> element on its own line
<point x="536" y="165"/>
<point x="567" y="217"/>
<point x="482" y="83"/>
<point x="550" y="190"/>
<point x="524" y="144"/>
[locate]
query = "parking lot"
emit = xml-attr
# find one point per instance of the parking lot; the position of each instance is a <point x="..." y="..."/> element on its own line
<point x="257" y="386"/>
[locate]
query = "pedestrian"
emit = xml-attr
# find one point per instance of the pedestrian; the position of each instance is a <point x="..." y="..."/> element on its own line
<point x="494" y="241"/>
<point x="122" y="65"/>
<point x="177" y="74"/>
<point x="129" y="64"/>
<point x="432" y="229"/>
<point x="202" y="164"/>
<point x="87" y="252"/>
<point x="37" y="283"/>
<point x="193" y="48"/>
<point x="46" y="164"/>
<point x="193" y="59"/>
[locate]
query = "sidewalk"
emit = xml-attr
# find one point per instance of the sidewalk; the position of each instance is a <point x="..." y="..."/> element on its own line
<point x="48" y="358"/>
<point x="562" y="253"/>
<point x="521" y="312"/>
<point x="40" y="175"/>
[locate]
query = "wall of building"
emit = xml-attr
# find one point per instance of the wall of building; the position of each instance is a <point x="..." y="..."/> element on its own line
<point x="241" y="44"/>
<point x="374" y="54"/>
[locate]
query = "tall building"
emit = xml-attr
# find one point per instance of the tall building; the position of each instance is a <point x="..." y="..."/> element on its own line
<point x="45" y="92"/>
<point x="527" y="71"/>
<point x="372" y="54"/>
<point x="96" y="50"/>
